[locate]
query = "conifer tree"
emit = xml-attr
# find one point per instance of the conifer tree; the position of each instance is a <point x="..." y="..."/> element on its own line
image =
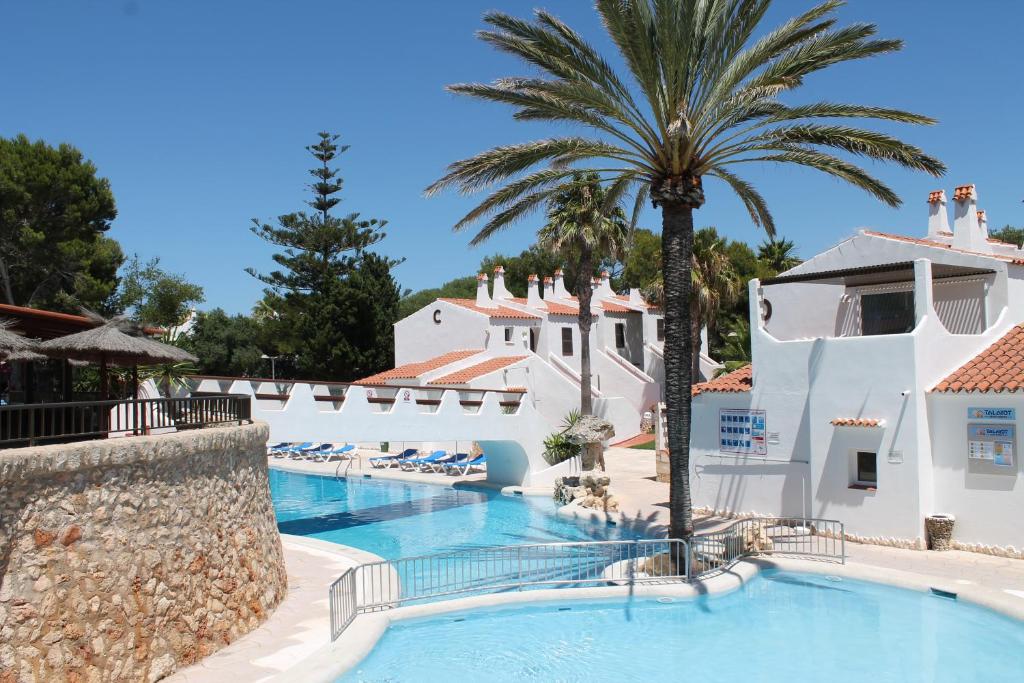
<point x="316" y="294"/>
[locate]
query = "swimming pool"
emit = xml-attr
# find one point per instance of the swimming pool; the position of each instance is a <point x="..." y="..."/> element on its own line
<point x="779" y="627"/>
<point x="396" y="519"/>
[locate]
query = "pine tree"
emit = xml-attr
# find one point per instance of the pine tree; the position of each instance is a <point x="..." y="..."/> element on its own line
<point x="316" y="292"/>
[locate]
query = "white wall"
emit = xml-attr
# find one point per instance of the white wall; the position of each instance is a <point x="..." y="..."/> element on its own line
<point x="987" y="500"/>
<point x="418" y="337"/>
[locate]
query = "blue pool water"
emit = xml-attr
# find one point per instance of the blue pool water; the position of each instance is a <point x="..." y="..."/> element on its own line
<point x="781" y="627"/>
<point x="394" y="520"/>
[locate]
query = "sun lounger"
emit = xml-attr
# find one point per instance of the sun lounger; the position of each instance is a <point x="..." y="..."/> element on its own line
<point x="441" y="463"/>
<point x="290" y="449"/>
<point x="335" y="453"/>
<point x="465" y="467"/>
<point x="302" y="452"/>
<point x="277" y="447"/>
<point x="410" y="464"/>
<point x="383" y="462"/>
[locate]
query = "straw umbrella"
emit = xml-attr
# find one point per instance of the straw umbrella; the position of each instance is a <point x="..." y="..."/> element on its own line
<point x="11" y="342"/>
<point x="114" y="342"/>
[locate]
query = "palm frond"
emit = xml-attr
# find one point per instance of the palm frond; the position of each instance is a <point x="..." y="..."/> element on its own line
<point x="756" y="206"/>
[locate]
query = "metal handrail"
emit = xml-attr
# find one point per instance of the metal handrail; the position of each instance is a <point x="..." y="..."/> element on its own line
<point x="386" y="584"/>
<point x="30" y="424"/>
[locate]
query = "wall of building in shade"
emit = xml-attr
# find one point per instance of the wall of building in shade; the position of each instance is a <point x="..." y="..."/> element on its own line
<point x="127" y="559"/>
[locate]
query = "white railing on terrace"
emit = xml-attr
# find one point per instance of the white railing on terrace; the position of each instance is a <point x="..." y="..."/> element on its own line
<point x="627" y="366"/>
<point x="383" y="585"/>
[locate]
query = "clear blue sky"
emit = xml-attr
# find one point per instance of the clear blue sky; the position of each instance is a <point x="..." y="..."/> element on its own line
<point x="198" y="112"/>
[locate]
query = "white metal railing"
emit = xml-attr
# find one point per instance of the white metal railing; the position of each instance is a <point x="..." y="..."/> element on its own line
<point x="386" y="584"/>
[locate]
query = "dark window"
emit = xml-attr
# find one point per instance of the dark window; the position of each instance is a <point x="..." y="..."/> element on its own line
<point x="508" y="335"/>
<point x="566" y="341"/>
<point x="887" y="313"/>
<point x="867" y="468"/>
<point x="661" y="329"/>
<point x="620" y="336"/>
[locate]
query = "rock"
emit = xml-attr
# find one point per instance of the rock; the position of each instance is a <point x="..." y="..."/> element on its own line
<point x="161" y="667"/>
<point x="590" y="429"/>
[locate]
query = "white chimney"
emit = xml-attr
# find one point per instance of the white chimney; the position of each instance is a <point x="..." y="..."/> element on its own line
<point x="635" y="297"/>
<point x="533" y="291"/>
<point x="499" y="284"/>
<point x="560" y="291"/>
<point x="966" y="231"/>
<point x="604" y="289"/>
<point x="483" y="299"/>
<point x="549" y="288"/>
<point x="983" y="223"/>
<point x="938" y="216"/>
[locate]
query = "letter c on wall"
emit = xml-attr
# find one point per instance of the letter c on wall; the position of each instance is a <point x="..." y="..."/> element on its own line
<point x="437" y="316"/>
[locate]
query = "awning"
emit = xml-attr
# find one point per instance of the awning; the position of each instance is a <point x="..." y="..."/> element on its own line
<point x="886" y="273"/>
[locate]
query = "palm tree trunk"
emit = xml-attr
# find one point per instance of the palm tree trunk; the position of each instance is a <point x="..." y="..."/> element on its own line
<point x="677" y="252"/>
<point x="696" y="341"/>
<point x="584" y="293"/>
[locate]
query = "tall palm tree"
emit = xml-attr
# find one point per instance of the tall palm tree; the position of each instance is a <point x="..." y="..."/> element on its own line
<point x="779" y="254"/>
<point x="699" y="97"/>
<point x="585" y="223"/>
<point x="713" y="285"/>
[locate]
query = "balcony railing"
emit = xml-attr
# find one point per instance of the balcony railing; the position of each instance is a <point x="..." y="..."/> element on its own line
<point x="32" y="424"/>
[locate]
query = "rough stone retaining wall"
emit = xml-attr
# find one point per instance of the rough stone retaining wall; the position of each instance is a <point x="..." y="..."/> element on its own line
<point x="125" y="559"/>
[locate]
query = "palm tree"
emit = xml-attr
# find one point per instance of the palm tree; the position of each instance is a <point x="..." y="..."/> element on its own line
<point x="586" y="224"/>
<point x="698" y="99"/>
<point x="713" y="284"/>
<point x="779" y="254"/>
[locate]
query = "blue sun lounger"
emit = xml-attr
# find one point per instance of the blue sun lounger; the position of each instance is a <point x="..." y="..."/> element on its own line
<point x="441" y="463"/>
<point x="289" y="449"/>
<point x="410" y="464"/>
<point x="383" y="462"/>
<point x="464" y="467"/>
<point x="335" y="453"/>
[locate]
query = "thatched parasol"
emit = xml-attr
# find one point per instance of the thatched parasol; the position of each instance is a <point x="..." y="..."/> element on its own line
<point x="11" y="342"/>
<point x="25" y="355"/>
<point x="114" y="342"/>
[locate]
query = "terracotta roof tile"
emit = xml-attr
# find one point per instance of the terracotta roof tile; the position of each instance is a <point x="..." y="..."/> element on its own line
<point x="612" y="307"/>
<point x="499" y="312"/>
<point x="856" y="422"/>
<point x="940" y="245"/>
<point x="414" y="370"/>
<point x="936" y="196"/>
<point x="473" y="371"/>
<point x="561" y="309"/>
<point x="734" y="382"/>
<point x="963" y="193"/>
<point x="998" y="368"/>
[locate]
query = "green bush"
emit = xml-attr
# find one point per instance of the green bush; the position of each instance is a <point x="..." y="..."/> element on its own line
<point x="557" y="447"/>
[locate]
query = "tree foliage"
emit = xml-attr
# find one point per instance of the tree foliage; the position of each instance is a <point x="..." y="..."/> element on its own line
<point x="227" y="345"/>
<point x="153" y="296"/>
<point x="54" y="211"/>
<point x="333" y="300"/>
<point x="1009" y="234"/>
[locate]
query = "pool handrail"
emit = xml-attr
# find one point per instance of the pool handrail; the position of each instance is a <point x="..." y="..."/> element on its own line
<point x="386" y="584"/>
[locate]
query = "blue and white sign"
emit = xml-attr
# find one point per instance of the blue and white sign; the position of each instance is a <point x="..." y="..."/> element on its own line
<point x="1008" y="414"/>
<point x="742" y="431"/>
<point x="993" y="444"/>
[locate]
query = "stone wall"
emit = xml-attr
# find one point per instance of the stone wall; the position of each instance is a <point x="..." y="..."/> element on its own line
<point x="126" y="559"/>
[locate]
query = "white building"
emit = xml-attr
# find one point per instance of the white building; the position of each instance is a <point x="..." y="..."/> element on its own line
<point x="886" y="384"/>
<point x="499" y="341"/>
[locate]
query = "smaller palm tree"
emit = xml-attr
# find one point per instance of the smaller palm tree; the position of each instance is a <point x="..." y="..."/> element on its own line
<point x="779" y="254"/>
<point x="713" y="285"/>
<point x="585" y="224"/>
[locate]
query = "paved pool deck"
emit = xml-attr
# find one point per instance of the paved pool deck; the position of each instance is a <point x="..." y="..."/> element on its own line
<point x="299" y="628"/>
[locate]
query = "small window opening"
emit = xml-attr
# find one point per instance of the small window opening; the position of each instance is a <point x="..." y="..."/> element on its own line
<point x="566" y="341"/>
